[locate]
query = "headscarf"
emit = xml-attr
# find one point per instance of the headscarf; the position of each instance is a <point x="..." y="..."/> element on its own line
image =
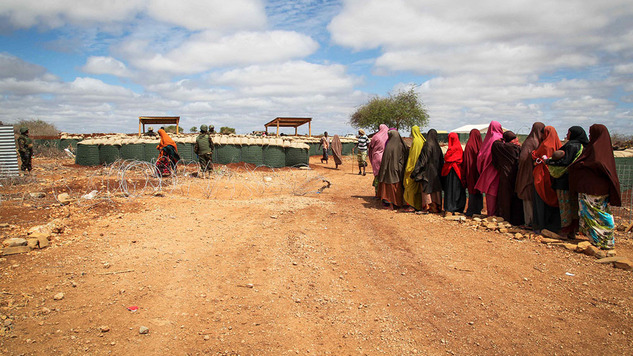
<point x="470" y="174"/>
<point x="165" y="140"/>
<point x="376" y="147"/>
<point x="393" y="159"/>
<point x="488" y="181"/>
<point x="454" y="156"/>
<point x="577" y="140"/>
<point x="525" y="177"/>
<point x="430" y="162"/>
<point x="337" y="148"/>
<point x="595" y="166"/>
<point x="542" y="179"/>
<point x="411" y="187"/>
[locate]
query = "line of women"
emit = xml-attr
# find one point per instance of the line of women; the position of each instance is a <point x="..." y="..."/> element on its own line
<point x="541" y="184"/>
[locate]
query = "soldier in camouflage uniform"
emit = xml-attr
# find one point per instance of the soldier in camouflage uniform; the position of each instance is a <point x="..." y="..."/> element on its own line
<point x="25" y="148"/>
<point x="204" y="149"/>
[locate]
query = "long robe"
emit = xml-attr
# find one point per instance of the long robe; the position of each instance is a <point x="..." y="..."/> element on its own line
<point x="488" y="182"/>
<point x="412" y="194"/>
<point x="505" y="158"/>
<point x="377" y="147"/>
<point x="454" y="192"/>
<point x="392" y="168"/>
<point x="470" y="173"/>
<point x="337" y="148"/>
<point x="525" y="177"/>
<point x="542" y="178"/>
<point x="429" y="165"/>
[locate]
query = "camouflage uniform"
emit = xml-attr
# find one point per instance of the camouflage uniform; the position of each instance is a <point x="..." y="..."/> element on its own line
<point x="204" y="149"/>
<point x="25" y="148"/>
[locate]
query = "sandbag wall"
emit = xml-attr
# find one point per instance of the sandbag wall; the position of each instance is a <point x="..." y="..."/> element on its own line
<point x="269" y="152"/>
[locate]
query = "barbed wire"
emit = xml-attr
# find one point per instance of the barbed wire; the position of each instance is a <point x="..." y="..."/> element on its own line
<point x="132" y="179"/>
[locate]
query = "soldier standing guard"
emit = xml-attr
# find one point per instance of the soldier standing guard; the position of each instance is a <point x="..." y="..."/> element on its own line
<point x="204" y="149"/>
<point x="25" y="148"/>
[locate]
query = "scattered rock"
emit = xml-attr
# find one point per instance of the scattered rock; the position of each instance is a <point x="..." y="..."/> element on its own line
<point x="64" y="198"/>
<point x="519" y="236"/>
<point x="491" y="226"/>
<point x="104" y="328"/>
<point x="143" y="330"/>
<point x="582" y="246"/>
<point x="610" y="259"/>
<point x="503" y="230"/>
<point x="33" y="243"/>
<point x="551" y="234"/>
<point x="624" y="264"/>
<point x="15" y="241"/>
<point x="59" y="296"/>
<point x="546" y="240"/>
<point x="591" y="250"/>
<point x="571" y="247"/>
<point x="40" y="229"/>
<point x="15" y="250"/>
<point x="37" y="195"/>
<point x="611" y="253"/>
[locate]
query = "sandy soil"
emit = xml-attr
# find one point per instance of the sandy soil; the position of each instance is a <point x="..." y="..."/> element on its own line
<point x="231" y="265"/>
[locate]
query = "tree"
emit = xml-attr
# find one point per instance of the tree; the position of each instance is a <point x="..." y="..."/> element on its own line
<point x="227" y="130"/>
<point x="37" y="127"/>
<point x="401" y="110"/>
<point x="193" y="129"/>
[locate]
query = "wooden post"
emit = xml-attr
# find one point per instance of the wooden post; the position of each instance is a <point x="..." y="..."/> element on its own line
<point x="277" y="128"/>
<point x="139" y="127"/>
<point x="310" y="128"/>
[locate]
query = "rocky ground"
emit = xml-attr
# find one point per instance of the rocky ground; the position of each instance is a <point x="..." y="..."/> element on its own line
<point x="275" y="262"/>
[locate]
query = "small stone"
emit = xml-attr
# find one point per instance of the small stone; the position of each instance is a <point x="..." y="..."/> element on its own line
<point x="583" y="245"/>
<point x="503" y="230"/>
<point x="143" y="330"/>
<point x="591" y="250"/>
<point x="64" y="198"/>
<point x="571" y="247"/>
<point x="519" y="236"/>
<point x="206" y="337"/>
<point x="611" y="253"/>
<point x="104" y="328"/>
<point x="491" y="226"/>
<point x="551" y="234"/>
<point x="546" y="240"/>
<point x="15" y="250"/>
<point x="45" y="311"/>
<point x="624" y="264"/>
<point x="37" y="195"/>
<point x="14" y="242"/>
<point x="8" y="322"/>
<point x="59" y="296"/>
<point x="33" y="243"/>
<point x="610" y="259"/>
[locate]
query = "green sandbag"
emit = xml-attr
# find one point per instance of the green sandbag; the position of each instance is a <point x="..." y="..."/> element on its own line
<point x="274" y="156"/>
<point x="135" y="152"/>
<point x="87" y="155"/>
<point x="109" y="153"/>
<point x="253" y="154"/>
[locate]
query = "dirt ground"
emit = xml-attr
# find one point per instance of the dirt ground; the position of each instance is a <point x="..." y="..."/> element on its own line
<point x="261" y="263"/>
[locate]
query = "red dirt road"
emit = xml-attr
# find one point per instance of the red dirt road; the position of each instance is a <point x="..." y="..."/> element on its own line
<point x="275" y="273"/>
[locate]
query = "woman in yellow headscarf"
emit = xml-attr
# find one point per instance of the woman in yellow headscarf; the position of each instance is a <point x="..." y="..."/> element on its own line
<point x="412" y="192"/>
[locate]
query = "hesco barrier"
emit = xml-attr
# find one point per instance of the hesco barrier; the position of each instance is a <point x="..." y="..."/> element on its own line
<point x="68" y="142"/>
<point x="134" y="152"/>
<point x="87" y="155"/>
<point x="314" y="149"/>
<point x="226" y="154"/>
<point x="274" y="156"/>
<point x="185" y="151"/>
<point x="253" y="154"/>
<point x="109" y="153"/>
<point x="150" y="152"/>
<point x="296" y="156"/>
<point x="347" y="148"/>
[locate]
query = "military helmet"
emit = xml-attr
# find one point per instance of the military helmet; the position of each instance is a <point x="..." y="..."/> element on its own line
<point x="203" y="128"/>
<point x="24" y="130"/>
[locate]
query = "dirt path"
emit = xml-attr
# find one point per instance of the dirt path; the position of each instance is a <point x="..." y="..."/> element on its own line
<point x="325" y="273"/>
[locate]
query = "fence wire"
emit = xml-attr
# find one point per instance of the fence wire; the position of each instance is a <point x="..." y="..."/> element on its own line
<point x="133" y="179"/>
<point x="624" y="213"/>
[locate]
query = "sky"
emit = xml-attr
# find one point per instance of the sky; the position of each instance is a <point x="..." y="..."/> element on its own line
<point x="97" y="65"/>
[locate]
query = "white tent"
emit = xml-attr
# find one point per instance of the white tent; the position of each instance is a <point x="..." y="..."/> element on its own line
<point x="483" y="128"/>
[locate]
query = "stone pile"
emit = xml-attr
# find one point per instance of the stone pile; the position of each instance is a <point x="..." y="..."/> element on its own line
<point x="498" y="224"/>
<point x="37" y="237"/>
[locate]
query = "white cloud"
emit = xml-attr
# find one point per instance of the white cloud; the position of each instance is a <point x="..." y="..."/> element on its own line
<point x="207" y="50"/>
<point x="288" y="79"/>
<point x="57" y="13"/>
<point x="210" y="14"/>
<point x="106" y="65"/>
<point x="14" y="67"/>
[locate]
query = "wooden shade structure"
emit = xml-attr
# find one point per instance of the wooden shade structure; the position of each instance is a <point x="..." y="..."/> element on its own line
<point x="157" y="120"/>
<point x="290" y="122"/>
